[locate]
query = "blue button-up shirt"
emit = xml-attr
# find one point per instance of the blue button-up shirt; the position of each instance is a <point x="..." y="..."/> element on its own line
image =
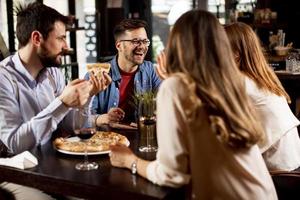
<point x="145" y="79"/>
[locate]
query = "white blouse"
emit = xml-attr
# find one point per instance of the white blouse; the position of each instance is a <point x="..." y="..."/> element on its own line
<point x="190" y="152"/>
<point x="281" y="148"/>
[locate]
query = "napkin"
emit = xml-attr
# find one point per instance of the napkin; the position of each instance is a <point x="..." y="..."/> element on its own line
<point x="131" y="126"/>
<point x="21" y="161"/>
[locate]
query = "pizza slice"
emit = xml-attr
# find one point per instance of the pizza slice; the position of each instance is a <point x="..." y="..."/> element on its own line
<point x="111" y="138"/>
<point x="98" y="68"/>
<point x="73" y="146"/>
<point x="99" y="142"/>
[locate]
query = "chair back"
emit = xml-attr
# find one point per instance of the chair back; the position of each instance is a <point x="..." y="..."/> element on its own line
<point x="287" y="184"/>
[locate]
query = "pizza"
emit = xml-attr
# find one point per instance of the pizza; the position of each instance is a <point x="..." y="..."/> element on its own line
<point x="99" y="142"/>
<point x="98" y="68"/>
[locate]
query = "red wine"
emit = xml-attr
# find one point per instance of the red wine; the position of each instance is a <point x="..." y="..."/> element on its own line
<point x="86" y="133"/>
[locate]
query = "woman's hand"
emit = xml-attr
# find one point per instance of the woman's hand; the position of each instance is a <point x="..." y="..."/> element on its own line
<point x="161" y="66"/>
<point x="121" y="156"/>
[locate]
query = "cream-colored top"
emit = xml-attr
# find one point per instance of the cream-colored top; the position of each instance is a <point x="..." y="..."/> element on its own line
<point x="190" y="151"/>
<point x="278" y="121"/>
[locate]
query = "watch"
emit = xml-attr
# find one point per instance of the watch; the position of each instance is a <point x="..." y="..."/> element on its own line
<point x="134" y="167"/>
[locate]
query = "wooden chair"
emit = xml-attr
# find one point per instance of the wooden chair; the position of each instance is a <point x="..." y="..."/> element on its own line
<point x="287" y="184"/>
<point x="4" y="52"/>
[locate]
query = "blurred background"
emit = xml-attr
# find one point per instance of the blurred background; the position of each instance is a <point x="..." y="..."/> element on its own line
<point x="91" y="37"/>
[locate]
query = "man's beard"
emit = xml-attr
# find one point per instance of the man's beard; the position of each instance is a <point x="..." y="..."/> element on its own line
<point x="48" y="60"/>
<point x="131" y="57"/>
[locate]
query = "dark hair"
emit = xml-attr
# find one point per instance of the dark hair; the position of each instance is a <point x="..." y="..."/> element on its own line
<point x="199" y="48"/>
<point x="36" y="17"/>
<point x="128" y="24"/>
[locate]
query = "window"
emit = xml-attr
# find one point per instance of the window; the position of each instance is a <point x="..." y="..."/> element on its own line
<point x="85" y="30"/>
<point x="237" y="8"/>
<point x="3" y="22"/>
<point x="218" y="8"/>
<point x="164" y="15"/>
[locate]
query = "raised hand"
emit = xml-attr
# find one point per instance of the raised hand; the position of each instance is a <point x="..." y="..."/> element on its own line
<point x="76" y="93"/>
<point x="161" y="65"/>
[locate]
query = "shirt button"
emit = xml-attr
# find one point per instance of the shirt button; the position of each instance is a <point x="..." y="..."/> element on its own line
<point x="115" y="103"/>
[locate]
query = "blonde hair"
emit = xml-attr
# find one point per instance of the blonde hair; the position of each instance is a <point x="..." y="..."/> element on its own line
<point x="250" y="59"/>
<point x="199" y="48"/>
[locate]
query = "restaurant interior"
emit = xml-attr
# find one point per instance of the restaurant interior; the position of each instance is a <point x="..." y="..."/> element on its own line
<point x="94" y="22"/>
<point x="91" y="40"/>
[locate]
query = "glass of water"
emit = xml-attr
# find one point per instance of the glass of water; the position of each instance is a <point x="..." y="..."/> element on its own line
<point x="147" y="125"/>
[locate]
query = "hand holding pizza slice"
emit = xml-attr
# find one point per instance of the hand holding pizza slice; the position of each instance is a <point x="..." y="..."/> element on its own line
<point x="98" y="68"/>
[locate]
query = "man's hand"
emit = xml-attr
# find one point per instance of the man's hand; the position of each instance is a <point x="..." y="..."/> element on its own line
<point x="113" y="115"/>
<point x="76" y="93"/>
<point x="99" y="82"/>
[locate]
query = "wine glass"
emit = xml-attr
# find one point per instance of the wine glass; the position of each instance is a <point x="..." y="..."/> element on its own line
<point x="84" y="128"/>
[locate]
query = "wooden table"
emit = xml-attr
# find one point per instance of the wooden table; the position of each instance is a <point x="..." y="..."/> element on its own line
<point x="56" y="174"/>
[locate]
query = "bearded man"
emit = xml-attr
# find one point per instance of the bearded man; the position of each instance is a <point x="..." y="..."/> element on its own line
<point x="34" y="101"/>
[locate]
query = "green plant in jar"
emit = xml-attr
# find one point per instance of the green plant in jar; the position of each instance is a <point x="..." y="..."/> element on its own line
<point x="146" y="104"/>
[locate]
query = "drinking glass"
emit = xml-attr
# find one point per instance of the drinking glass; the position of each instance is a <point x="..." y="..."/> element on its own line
<point x="84" y="128"/>
<point x="147" y="125"/>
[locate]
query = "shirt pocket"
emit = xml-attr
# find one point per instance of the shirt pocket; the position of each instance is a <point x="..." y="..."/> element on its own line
<point x="144" y="86"/>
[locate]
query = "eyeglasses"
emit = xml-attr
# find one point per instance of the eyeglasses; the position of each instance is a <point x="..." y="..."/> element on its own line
<point x="137" y="42"/>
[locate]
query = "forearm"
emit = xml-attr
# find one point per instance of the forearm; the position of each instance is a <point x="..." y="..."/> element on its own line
<point x="122" y="156"/>
<point x="20" y="134"/>
<point x="69" y="120"/>
<point x="45" y="122"/>
<point x="101" y="119"/>
<point x="142" y="167"/>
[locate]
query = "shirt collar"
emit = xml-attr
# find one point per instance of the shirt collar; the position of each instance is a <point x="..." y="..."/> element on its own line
<point x="115" y="69"/>
<point x="24" y="72"/>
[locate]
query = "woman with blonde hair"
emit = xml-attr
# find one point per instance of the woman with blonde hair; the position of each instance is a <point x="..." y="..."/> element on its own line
<point x="281" y="147"/>
<point x="206" y="131"/>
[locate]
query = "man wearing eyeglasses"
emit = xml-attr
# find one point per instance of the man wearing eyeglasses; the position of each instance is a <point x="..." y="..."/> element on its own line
<point x="130" y="74"/>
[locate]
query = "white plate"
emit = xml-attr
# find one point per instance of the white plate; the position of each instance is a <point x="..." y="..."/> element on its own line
<point x="76" y="139"/>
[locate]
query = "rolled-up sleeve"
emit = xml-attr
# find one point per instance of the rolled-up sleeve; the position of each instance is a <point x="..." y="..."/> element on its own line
<point x="162" y="175"/>
<point x="171" y="168"/>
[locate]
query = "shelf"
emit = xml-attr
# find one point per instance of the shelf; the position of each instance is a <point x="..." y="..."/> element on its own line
<point x="271" y="25"/>
<point x="275" y="58"/>
<point x="69" y="64"/>
<point x="75" y="29"/>
<point x="284" y="72"/>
